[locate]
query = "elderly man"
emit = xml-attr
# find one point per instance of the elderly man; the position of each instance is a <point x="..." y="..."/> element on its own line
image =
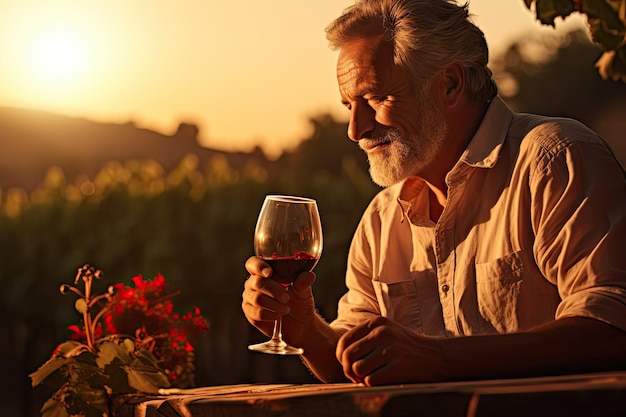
<point x="495" y="248"/>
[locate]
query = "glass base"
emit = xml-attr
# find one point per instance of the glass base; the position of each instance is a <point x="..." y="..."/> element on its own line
<point x="276" y="348"/>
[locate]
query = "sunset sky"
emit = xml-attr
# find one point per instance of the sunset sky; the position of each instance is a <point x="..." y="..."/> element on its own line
<point x="246" y="72"/>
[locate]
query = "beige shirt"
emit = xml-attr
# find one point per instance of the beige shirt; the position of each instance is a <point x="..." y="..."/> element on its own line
<point x="534" y="229"/>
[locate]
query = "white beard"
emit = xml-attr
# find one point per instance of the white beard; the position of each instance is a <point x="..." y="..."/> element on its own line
<point x="406" y="156"/>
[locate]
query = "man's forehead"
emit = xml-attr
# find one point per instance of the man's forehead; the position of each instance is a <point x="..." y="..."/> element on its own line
<point x="367" y="51"/>
<point x="363" y="60"/>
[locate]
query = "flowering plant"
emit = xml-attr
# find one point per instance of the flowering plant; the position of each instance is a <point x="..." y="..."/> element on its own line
<point x="131" y="340"/>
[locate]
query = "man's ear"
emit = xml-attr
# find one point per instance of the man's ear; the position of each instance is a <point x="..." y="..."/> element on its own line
<point x="454" y="81"/>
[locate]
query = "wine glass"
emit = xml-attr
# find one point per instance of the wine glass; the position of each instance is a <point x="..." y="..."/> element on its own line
<point x="288" y="236"/>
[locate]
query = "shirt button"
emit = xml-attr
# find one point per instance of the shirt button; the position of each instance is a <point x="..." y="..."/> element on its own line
<point x="445" y="288"/>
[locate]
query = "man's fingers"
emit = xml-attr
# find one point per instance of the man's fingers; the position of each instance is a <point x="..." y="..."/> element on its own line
<point x="266" y="295"/>
<point x="257" y="266"/>
<point x="351" y="337"/>
<point x="257" y="314"/>
<point x="352" y="347"/>
<point x="372" y="368"/>
<point x="361" y="352"/>
<point x="301" y="286"/>
<point x="266" y="286"/>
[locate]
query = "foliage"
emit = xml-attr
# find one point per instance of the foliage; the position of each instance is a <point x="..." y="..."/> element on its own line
<point x="131" y="340"/>
<point x="194" y="225"/>
<point x="166" y="333"/>
<point x="526" y="77"/>
<point x="607" y="26"/>
<point x="535" y="75"/>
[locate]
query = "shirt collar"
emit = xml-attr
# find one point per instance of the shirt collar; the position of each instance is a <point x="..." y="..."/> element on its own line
<point x="483" y="151"/>
<point x="484" y="148"/>
<point x="413" y="199"/>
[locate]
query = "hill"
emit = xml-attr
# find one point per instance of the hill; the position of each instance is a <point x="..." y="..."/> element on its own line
<point x="31" y="141"/>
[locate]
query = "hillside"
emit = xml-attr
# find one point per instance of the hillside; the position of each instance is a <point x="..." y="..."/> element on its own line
<point x="31" y="141"/>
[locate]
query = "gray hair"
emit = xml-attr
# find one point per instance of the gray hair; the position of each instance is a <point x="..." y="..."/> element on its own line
<point x="427" y="35"/>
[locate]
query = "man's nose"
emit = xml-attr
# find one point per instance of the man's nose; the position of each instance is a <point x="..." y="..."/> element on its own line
<point x="362" y="120"/>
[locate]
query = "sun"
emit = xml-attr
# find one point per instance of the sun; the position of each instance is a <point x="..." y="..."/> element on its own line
<point x="56" y="58"/>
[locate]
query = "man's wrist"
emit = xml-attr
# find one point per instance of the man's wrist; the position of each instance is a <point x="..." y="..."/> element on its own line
<point x="319" y="342"/>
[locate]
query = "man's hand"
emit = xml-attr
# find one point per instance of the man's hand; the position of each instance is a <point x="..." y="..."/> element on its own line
<point x="265" y="300"/>
<point x="380" y="351"/>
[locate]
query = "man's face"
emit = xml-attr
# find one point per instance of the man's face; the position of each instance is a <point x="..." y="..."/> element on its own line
<point x="401" y="132"/>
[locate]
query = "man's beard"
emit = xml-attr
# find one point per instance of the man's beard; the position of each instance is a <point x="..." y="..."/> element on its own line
<point x="406" y="156"/>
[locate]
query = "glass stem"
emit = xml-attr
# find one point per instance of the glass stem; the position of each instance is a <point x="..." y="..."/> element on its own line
<point x="277" y="335"/>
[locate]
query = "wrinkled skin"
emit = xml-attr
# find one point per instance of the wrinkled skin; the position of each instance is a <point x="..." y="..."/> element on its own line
<point x="377" y="351"/>
<point x="380" y="351"/>
<point x="265" y="300"/>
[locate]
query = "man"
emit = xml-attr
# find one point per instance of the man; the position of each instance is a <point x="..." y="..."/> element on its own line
<point x="496" y="248"/>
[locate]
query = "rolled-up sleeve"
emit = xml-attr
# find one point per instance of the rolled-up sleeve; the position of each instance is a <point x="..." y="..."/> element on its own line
<point x="579" y="217"/>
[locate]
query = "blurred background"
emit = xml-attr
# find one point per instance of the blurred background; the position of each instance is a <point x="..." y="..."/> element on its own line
<point x="141" y="137"/>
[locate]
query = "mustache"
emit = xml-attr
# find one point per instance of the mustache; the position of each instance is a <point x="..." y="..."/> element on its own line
<point x="379" y="136"/>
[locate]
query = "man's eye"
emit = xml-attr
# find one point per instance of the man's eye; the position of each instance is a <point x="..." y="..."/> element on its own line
<point x="377" y="100"/>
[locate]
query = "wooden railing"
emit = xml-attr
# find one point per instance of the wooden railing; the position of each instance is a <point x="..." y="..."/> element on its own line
<point x="600" y="394"/>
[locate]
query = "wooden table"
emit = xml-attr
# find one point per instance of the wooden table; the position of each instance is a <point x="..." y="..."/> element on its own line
<point x="594" y="395"/>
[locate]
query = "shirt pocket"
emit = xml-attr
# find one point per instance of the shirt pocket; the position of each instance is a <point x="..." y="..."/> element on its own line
<point x="398" y="300"/>
<point x="498" y="285"/>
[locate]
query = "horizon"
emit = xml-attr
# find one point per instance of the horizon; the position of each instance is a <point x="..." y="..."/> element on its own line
<point x="158" y="67"/>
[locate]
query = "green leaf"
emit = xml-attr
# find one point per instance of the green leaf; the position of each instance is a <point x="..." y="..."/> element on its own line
<point x="619" y="64"/>
<point x="612" y="65"/>
<point x="129" y="372"/>
<point x="129" y="347"/>
<point x="86" y="357"/>
<point x="604" y="38"/>
<point x="602" y="10"/>
<point x="71" y="348"/>
<point x="92" y="402"/>
<point x="81" y="305"/>
<point x="109" y="351"/>
<point x="146" y="379"/>
<point x="146" y="357"/>
<point x="52" y="408"/>
<point x="47" y="369"/>
<point x="548" y="10"/>
<point x="118" y="378"/>
<point x="605" y="25"/>
<point x="83" y="399"/>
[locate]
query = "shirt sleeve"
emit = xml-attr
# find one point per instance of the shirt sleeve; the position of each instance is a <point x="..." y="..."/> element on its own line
<point x="579" y="216"/>
<point x="359" y="303"/>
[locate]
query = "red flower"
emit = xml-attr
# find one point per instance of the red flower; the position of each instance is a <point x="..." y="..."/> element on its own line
<point x="146" y="313"/>
<point x="78" y="333"/>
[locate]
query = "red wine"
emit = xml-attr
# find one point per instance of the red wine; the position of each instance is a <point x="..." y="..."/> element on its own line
<point x="287" y="269"/>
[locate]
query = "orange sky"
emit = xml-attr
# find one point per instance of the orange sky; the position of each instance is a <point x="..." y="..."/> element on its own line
<point x="246" y="72"/>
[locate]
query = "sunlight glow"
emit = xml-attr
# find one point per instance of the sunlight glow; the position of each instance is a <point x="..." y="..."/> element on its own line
<point x="56" y="58"/>
<point x="246" y="74"/>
